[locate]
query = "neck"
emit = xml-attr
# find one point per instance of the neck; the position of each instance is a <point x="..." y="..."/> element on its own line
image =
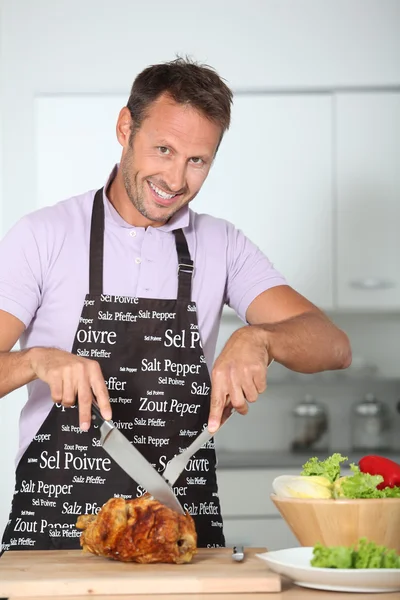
<point x="116" y="193"/>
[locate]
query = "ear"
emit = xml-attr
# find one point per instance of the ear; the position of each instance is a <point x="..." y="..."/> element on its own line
<point x="123" y="128"/>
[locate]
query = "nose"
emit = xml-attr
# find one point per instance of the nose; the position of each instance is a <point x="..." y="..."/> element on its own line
<point x="175" y="177"/>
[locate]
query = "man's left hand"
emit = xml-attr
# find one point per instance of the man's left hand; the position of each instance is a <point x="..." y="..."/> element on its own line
<point x="239" y="374"/>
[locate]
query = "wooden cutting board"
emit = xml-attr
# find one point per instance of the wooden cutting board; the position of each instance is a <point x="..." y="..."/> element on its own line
<point x="73" y="573"/>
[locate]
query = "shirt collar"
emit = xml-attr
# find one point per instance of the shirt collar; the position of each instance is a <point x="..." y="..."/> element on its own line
<point x="179" y="220"/>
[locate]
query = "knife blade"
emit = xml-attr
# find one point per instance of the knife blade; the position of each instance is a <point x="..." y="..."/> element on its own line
<point x="133" y="462"/>
<point x="176" y="465"/>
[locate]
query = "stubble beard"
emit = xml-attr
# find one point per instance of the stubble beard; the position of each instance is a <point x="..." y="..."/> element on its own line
<point x="135" y="193"/>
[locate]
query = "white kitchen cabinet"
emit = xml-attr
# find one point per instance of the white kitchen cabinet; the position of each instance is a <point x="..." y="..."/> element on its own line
<point x="246" y="492"/>
<point x="250" y="517"/>
<point x="272" y="175"/>
<point x="272" y="178"/>
<point x="268" y="532"/>
<point x="368" y="200"/>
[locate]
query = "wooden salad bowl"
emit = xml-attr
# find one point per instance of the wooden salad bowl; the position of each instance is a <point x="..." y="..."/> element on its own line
<point x="342" y="522"/>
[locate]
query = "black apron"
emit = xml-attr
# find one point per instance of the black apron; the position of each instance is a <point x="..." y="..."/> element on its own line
<point x="151" y="357"/>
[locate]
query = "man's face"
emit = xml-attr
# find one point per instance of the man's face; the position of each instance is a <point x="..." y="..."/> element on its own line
<point x="166" y="161"/>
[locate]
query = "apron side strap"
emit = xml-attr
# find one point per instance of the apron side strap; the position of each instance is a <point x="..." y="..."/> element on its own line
<point x="185" y="266"/>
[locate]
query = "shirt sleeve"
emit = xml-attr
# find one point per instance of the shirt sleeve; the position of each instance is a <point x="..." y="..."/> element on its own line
<point x="20" y="272"/>
<point x="250" y="272"/>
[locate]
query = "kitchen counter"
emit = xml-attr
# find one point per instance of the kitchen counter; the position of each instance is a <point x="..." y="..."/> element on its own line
<point x="282" y="460"/>
<point x="211" y="576"/>
<point x="290" y="592"/>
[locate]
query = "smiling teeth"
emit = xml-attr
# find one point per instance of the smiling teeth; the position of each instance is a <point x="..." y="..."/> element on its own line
<point x="160" y="193"/>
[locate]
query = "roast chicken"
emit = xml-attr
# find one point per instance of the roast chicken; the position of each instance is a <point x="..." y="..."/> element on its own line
<point x="140" y="530"/>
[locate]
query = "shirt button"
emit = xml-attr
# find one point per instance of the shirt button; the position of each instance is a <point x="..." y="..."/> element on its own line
<point x="132" y="233"/>
<point x="138" y="261"/>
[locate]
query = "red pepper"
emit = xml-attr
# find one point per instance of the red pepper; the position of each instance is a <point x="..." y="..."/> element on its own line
<point x="378" y="465"/>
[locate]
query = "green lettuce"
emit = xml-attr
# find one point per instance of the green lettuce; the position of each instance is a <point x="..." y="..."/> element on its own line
<point x="368" y="555"/>
<point x="362" y="485"/>
<point x="391" y="560"/>
<point x="329" y="468"/>
<point x="336" y="557"/>
<point x="389" y="492"/>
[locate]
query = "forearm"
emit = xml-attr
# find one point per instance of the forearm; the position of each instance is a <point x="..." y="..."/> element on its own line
<point x="15" y="370"/>
<point x="308" y="343"/>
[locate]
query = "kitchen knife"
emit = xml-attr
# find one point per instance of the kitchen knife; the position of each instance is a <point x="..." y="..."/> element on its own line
<point x="177" y="464"/>
<point x="133" y="462"/>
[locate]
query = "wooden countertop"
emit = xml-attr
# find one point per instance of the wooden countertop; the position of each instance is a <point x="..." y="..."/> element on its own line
<point x="213" y="575"/>
<point x="289" y="592"/>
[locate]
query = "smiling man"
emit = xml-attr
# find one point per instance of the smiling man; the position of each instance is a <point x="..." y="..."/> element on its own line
<point x="159" y="172"/>
<point x="117" y="294"/>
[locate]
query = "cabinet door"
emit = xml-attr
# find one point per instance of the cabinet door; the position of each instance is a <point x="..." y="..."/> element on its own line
<point x="268" y="532"/>
<point x="250" y="517"/>
<point x="272" y="178"/>
<point x="368" y="200"/>
<point x="246" y="492"/>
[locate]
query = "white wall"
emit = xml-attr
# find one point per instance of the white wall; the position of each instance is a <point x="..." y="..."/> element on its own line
<point x="98" y="46"/>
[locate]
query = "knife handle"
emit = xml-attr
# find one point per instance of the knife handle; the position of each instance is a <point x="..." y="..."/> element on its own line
<point x="104" y="426"/>
<point x="238" y="553"/>
<point x="97" y="419"/>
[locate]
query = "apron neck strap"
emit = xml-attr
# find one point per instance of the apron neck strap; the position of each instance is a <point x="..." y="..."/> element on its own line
<point x="96" y="264"/>
<point x="96" y="246"/>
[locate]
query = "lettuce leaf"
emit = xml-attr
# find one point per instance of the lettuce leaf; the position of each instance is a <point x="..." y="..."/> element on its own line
<point x="389" y="492"/>
<point x="329" y="468"/>
<point x="363" y="485"/>
<point x="338" y="557"/>
<point x="368" y="555"/>
<point x="391" y="560"/>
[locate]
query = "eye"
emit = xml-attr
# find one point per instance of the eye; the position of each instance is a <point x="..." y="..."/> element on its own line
<point x="196" y="160"/>
<point x="164" y="150"/>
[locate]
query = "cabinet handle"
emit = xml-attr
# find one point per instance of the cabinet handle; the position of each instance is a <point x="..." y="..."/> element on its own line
<point x="372" y="283"/>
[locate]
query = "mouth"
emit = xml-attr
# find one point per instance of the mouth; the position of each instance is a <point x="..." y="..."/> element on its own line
<point x="162" y="197"/>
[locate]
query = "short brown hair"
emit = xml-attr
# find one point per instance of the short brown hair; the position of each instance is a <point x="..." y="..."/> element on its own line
<point x="187" y="82"/>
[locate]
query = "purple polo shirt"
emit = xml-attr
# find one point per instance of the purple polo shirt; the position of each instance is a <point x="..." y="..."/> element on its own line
<point x="44" y="267"/>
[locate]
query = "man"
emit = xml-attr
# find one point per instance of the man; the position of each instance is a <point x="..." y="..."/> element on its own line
<point x="117" y="294"/>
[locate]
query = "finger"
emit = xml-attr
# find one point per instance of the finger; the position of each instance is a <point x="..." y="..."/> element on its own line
<point x="236" y="395"/>
<point x="85" y="399"/>
<point x="238" y="401"/>
<point x="250" y="391"/>
<point x="226" y="413"/>
<point x="69" y="389"/>
<point x="56" y="390"/>
<point x="217" y="404"/>
<point x="260" y="378"/>
<point x="100" y="392"/>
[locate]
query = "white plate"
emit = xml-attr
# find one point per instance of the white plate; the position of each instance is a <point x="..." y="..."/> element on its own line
<point x="295" y="564"/>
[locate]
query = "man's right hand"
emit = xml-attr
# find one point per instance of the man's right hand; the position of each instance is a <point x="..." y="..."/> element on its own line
<point x="72" y="378"/>
<point x="69" y="377"/>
